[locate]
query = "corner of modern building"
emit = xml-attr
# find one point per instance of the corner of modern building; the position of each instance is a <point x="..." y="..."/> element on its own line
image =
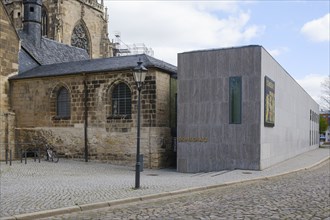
<point x="239" y="109"/>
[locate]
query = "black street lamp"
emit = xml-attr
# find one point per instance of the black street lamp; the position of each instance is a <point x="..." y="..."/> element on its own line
<point x="139" y="73"/>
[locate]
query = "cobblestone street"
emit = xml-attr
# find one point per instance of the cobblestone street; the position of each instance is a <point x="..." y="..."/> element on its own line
<point x="302" y="195"/>
<point x="46" y="189"/>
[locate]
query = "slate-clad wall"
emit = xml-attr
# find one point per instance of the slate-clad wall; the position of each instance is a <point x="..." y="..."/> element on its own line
<point x="206" y="140"/>
<point x="109" y="139"/>
<point x="291" y="134"/>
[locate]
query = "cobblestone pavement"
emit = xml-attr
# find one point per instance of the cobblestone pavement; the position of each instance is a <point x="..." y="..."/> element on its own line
<point x="302" y="195"/>
<point x="33" y="187"/>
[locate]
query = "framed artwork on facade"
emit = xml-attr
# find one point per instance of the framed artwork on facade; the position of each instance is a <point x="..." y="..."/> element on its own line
<point x="269" y="102"/>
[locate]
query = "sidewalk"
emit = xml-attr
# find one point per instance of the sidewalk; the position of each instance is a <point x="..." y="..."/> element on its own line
<point x="35" y="190"/>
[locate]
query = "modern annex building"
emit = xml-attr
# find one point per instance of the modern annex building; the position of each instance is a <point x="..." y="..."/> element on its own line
<point x="238" y="108"/>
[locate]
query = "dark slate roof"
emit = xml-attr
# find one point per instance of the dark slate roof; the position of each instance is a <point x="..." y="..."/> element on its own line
<point x="26" y="62"/>
<point x="49" y="52"/>
<point x="97" y="65"/>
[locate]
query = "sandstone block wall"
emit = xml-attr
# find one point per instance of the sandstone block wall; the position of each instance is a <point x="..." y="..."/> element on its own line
<point x="64" y="15"/>
<point x="7" y="135"/>
<point x="163" y="99"/>
<point x="9" y="46"/>
<point x="109" y="139"/>
<point x="115" y="148"/>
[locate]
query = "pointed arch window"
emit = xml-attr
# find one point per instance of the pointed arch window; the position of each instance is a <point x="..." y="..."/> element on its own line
<point x="121" y="101"/>
<point x="44" y="21"/>
<point x="63" y="103"/>
<point x="79" y="37"/>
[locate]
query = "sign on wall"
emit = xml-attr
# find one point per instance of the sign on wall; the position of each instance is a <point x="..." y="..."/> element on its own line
<point x="269" y="107"/>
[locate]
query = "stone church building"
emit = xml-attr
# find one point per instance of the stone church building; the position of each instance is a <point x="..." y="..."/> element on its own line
<point x="52" y="92"/>
<point x="80" y="23"/>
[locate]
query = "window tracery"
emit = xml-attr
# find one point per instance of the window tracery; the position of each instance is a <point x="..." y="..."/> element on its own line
<point x="79" y="37"/>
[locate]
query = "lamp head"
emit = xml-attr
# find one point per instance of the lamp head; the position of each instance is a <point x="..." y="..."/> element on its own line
<point x="139" y="73"/>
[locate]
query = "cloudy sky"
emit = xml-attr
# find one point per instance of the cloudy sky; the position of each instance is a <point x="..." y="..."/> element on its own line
<point x="296" y="33"/>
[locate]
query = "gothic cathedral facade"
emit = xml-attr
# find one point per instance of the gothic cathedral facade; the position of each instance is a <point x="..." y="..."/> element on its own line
<point x="80" y="23"/>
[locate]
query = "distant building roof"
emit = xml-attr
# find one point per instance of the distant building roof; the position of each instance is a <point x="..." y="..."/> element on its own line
<point x="49" y="52"/>
<point x="96" y="65"/>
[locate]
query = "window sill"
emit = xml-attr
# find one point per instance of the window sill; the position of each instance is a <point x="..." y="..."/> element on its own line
<point x="57" y="118"/>
<point x="119" y="117"/>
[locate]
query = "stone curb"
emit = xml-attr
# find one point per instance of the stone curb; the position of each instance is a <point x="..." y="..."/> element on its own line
<point x="300" y="169"/>
<point x="91" y="206"/>
<point x="44" y="214"/>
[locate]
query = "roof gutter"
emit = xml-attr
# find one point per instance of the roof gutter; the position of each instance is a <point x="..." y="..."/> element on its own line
<point x="17" y="77"/>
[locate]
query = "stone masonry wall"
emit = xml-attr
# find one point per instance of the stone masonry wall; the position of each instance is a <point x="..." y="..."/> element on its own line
<point x="74" y="11"/>
<point x="7" y="134"/>
<point x="62" y="18"/>
<point x="9" y="46"/>
<point x="163" y="99"/>
<point x="115" y="147"/>
<point x="9" y="43"/>
<point x="109" y="139"/>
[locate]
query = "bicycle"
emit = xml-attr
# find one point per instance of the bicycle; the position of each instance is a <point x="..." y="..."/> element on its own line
<point x="51" y="154"/>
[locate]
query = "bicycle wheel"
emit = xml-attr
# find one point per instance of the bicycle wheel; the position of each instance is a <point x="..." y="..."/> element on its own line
<point x="55" y="157"/>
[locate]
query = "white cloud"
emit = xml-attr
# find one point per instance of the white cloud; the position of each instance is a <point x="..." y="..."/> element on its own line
<point x="170" y="27"/>
<point x="318" y="30"/>
<point x="278" y="51"/>
<point x="312" y="84"/>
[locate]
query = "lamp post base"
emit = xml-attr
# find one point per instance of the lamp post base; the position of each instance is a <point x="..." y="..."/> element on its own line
<point x="137" y="175"/>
